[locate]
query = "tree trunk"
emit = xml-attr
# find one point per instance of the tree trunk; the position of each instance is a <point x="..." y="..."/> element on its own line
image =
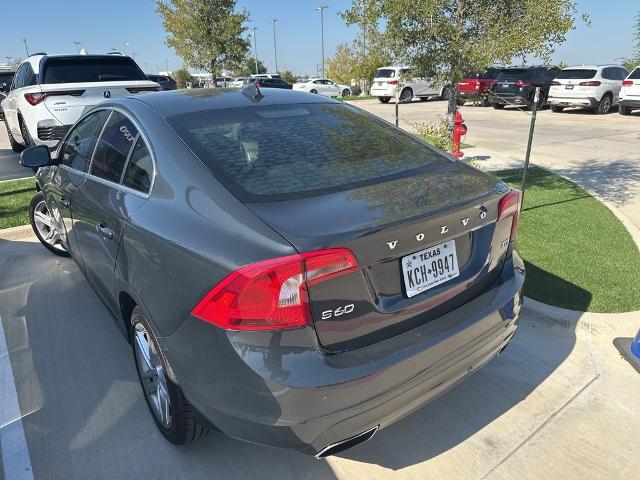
<point x="213" y="74"/>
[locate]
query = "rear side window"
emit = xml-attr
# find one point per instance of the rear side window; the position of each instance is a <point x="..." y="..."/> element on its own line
<point x="578" y="74"/>
<point x="139" y="171"/>
<point x="385" y="73"/>
<point x="635" y="75"/>
<point x="90" y="69"/>
<point x="78" y="147"/>
<point x="117" y="139"/>
<point x="283" y="152"/>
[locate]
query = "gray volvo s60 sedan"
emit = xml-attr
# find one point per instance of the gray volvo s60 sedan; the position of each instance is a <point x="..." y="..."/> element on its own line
<point x="289" y="270"/>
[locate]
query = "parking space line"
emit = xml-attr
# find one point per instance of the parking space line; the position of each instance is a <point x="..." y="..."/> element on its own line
<point x="16" y="461"/>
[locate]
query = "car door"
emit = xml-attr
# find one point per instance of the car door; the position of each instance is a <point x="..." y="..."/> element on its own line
<point x="64" y="180"/>
<point x="102" y="205"/>
<point x="331" y="89"/>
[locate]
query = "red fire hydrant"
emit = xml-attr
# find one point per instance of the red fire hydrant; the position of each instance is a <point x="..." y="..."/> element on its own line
<point x="459" y="129"/>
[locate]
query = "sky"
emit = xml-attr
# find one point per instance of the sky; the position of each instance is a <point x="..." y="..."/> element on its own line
<point x="53" y="26"/>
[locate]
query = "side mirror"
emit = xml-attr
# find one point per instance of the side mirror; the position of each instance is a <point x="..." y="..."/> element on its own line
<point x="35" y="157"/>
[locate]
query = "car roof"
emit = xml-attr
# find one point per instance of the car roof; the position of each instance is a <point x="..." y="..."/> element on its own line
<point x="592" y="67"/>
<point x="177" y="102"/>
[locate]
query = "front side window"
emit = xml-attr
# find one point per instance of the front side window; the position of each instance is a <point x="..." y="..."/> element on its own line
<point x="117" y="140"/>
<point x="78" y="147"/>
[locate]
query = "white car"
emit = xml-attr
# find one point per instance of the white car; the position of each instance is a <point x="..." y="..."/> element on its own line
<point x="389" y="80"/>
<point x="629" y="97"/>
<point x="224" y="81"/>
<point x="323" y="86"/>
<point x="596" y="87"/>
<point x="50" y="92"/>
<point x="238" y="82"/>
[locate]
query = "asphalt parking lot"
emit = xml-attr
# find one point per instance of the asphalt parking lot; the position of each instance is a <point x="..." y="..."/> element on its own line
<point x="558" y="403"/>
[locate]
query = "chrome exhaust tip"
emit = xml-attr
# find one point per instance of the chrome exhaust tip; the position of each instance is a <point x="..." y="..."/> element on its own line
<point x="347" y="443"/>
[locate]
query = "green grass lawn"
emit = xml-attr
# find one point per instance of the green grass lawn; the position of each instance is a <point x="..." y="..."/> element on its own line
<point x="15" y="196"/>
<point x="357" y="97"/>
<point x="577" y="253"/>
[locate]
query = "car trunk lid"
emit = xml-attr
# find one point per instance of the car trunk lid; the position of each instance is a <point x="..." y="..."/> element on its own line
<point x="453" y="207"/>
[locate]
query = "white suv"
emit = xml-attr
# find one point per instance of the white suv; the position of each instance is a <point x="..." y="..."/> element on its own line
<point x="50" y="92"/>
<point x="595" y="87"/>
<point x="629" y="97"/>
<point x="389" y="79"/>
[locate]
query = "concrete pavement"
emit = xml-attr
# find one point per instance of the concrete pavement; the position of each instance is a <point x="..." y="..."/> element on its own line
<point x="558" y="403"/>
<point x="9" y="166"/>
<point x="601" y="153"/>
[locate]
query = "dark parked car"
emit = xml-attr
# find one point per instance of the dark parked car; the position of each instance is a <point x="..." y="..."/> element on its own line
<point x="6" y="77"/>
<point x="477" y="86"/>
<point x="516" y="86"/>
<point x="165" y="81"/>
<point x="261" y="82"/>
<point x="290" y="270"/>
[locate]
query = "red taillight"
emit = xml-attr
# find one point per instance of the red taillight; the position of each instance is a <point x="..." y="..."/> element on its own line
<point x="627" y="83"/>
<point x="510" y="206"/>
<point x="272" y="294"/>
<point x="591" y="83"/>
<point x="143" y="89"/>
<point x="392" y="82"/>
<point x="521" y="83"/>
<point x="555" y="83"/>
<point x="258" y="84"/>
<point x="37" y="97"/>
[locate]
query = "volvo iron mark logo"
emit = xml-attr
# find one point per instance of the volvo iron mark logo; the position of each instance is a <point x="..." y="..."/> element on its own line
<point x="106" y="94"/>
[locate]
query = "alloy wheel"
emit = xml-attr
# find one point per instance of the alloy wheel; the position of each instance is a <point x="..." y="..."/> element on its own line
<point x="152" y="375"/>
<point x="46" y="227"/>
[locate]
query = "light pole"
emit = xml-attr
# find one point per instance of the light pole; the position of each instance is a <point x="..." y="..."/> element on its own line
<point x="275" y="49"/>
<point x="8" y="60"/>
<point x="255" y="48"/>
<point x="321" y="8"/>
<point x="25" y="46"/>
<point x="77" y="44"/>
<point x="125" y="45"/>
<point x="166" y="61"/>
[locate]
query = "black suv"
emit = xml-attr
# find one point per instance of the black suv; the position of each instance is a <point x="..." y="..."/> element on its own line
<point x="165" y="81"/>
<point x="516" y="86"/>
<point x="6" y="77"/>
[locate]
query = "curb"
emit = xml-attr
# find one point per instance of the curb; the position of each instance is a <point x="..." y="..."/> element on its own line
<point x="16" y="233"/>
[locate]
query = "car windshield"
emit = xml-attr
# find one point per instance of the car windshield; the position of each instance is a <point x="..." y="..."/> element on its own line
<point x="577" y="73"/>
<point x="385" y="73"/>
<point x="635" y="75"/>
<point x="285" y="152"/>
<point x="87" y="69"/>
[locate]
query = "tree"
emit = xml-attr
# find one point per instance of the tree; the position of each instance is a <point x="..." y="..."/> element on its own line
<point x="450" y="37"/>
<point x="207" y="34"/>
<point x="361" y="59"/>
<point x="182" y="76"/>
<point x="288" y="76"/>
<point x="634" y="60"/>
<point x="248" y="67"/>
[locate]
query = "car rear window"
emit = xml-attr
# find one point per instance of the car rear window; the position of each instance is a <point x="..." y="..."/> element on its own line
<point x="285" y="152"/>
<point x="635" y="75"/>
<point x="385" y="73"/>
<point x="6" y="78"/>
<point x="514" y="74"/>
<point x="577" y="73"/>
<point x="78" y="69"/>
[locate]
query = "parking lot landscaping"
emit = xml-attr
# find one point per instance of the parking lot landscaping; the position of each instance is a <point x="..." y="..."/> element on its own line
<point x="15" y="196"/>
<point x="578" y="254"/>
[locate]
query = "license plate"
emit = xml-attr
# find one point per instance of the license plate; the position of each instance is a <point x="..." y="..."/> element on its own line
<point x="430" y="267"/>
<point x="379" y="84"/>
<point x="569" y="87"/>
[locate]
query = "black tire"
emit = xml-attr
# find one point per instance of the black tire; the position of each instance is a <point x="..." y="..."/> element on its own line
<point x="604" y="105"/>
<point x="346" y="92"/>
<point x="446" y="93"/>
<point x="26" y="136"/>
<point x="557" y="109"/>
<point x="35" y="202"/>
<point x="183" y="427"/>
<point x="460" y="102"/>
<point x="624" y="110"/>
<point x="485" y="102"/>
<point x="406" y="95"/>
<point x="498" y="106"/>
<point x="384" y="99"/>
<point x="15" y="146"/>
<point x="314" y="91"/>
<point x="541" y="102"/>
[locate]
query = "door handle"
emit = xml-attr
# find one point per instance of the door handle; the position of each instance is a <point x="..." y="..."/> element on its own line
<point x="106" y="232"/>
<point x="64" y="203"/>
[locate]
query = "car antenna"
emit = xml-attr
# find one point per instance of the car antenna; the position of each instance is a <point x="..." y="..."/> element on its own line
<point x="252" y="92"/>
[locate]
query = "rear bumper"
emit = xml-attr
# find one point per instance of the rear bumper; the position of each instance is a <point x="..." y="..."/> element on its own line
<point x="630" y="103"/>
<point x="382" y="91"/>
<point x="506" y="99"/>
<point x="273" y="390"/>
<point x="589" y="102"/>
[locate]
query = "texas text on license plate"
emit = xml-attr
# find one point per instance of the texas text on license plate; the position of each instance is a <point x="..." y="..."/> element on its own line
<point x="430" y="267"/>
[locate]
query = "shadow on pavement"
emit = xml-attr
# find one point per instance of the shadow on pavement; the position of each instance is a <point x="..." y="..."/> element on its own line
<point x="86" y="418"/>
